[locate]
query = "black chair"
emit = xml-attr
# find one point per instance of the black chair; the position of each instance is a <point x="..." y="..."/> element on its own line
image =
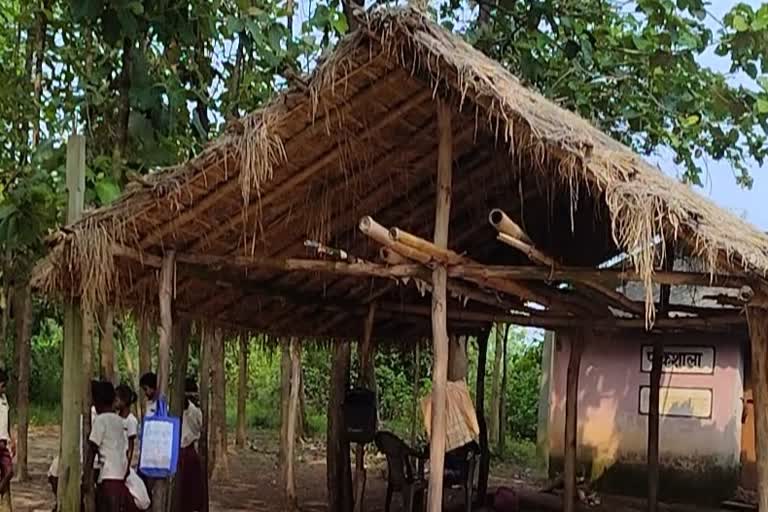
<point x="460" y="466"/>
<point x="401" y="477"/>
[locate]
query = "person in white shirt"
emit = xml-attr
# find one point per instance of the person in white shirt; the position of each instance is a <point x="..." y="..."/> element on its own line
<point x="190" y="479"/>
<point x="7" y="446"/>
<point x="148" y="384"/>
<point x="126" y="397"/>
<point x="108" y="439"/>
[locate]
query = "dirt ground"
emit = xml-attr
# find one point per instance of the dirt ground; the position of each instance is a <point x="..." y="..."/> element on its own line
<point x="252" y="483"/>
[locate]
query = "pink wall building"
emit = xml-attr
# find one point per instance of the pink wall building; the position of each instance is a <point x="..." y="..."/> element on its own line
<point x="701" y="407"/>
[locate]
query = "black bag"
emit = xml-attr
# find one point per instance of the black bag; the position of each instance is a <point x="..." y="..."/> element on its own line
<point x="360" y="415"/>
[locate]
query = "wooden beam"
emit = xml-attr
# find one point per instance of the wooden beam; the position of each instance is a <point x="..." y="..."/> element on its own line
<point x="165" y="332"/>
<point x="439" y="310"/>
<point x="68" y="492"/>
<point x="758" y="339"/>
<point x="577" y="341"/>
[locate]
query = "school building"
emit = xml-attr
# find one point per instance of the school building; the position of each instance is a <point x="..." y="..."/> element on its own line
<point x="707" y="439"/>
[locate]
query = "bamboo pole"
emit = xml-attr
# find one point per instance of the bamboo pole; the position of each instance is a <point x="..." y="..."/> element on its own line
<point x="366" y="361"/>
<point x="507" y="226"/>
<point x="577" y="341"/>
<point x="440" y="254"/>
<point x="758" y="338"/>
<point x="165" y="332"/>
<point x="68" y="495"/>
<point x="439" y="309"/>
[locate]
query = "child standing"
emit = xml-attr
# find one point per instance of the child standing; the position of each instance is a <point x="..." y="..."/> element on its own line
<point x="190" y="479"/>
<point x="6" y="447"/>
<point x="126" y="397"/>
<point x="108" y="439"/>
<point x="148" y="384"/>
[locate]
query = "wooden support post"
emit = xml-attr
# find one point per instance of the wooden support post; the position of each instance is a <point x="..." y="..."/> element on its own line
<point x="339" y="476"/>
<point x="165" y="332"/>
<point x="242" y="391"/>
<point x="495" y="415"/>
<point x="293" y="415"/>
<point x="68" y="495"/>
<point x="285" y="398"/>
<point x="107" y="344"/>
<point x="502" y="446"/>
<point x="655" y="389"/>
<point x="205" y="405"/>
<point x="89" y="495"/>
<point x="439" y="310"/>
<point x="218" y="456"/>
<point x="182" y="332"/>
<point x="485" y="452"/>
<point x="365" y="355"/>
<point x="758" y="339"/>
<point x="145" y="356"/>
<point x="23" y="346"/>
<point x="577" y="342"/>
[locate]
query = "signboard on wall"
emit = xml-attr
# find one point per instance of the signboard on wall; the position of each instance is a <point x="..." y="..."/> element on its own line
<point x="681" y="359"/>
<point x="679" y="402"/>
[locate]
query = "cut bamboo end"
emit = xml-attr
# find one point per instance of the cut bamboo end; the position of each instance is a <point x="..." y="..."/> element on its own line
<point x="504" y="224"/>
<point x="380" y="234"/>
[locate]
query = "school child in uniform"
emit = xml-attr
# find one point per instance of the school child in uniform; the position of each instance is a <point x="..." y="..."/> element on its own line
<point x="148" y="384"/>
<point x="126" y="397"/>
<point x="190" y="477"/>
<point x="7" y="447"/>
<point x="108" y="439"/>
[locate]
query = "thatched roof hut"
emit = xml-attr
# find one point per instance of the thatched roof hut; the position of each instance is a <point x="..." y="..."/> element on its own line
<point x="358" y="138"/>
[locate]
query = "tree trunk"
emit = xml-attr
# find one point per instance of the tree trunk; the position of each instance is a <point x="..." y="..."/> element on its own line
<point x="6" y="318"/>
<point x="165" y="332"/>
<point x="123" y="110"/>
<point x="338" y="464"/>
<point x="242" y="391"/>
<point x="493" y="423"/>
<point x="571" y="419"/>
<point x="219" y="461"/>
<point x="485" y="452"/>
<point x="107" y="346"/>
<point x="758" y="339"/>
<point x="303" y="428"/>
<point x="439" y="309"/>
<point x="41" y="29"/>
<point x="145" y="356"/>
<point x="23" y="341"/>
<point x="293" y="412"/>
<point x="503" y="394"/>
<point x="208" y="339"/>
<point x="416" y="392"/>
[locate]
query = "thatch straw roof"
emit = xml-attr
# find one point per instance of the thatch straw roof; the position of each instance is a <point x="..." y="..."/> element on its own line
<point x="359" y="138"/>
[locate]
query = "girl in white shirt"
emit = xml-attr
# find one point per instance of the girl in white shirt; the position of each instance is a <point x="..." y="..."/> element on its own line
<point x="108" y="439"/>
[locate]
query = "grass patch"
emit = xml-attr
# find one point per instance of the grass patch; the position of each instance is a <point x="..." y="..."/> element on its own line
<point x="43" y="415"/>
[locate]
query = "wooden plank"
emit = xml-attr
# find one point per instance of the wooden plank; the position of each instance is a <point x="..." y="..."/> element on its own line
<point x="439" y="310"/>
<point x="577" y="341"/>
<point x="758" y="339"/>
<point x="68" y="492"/>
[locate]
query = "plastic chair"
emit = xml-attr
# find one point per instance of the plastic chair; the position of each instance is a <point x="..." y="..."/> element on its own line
<point x="401" y="477"/>
<point x="460" y="465"/>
